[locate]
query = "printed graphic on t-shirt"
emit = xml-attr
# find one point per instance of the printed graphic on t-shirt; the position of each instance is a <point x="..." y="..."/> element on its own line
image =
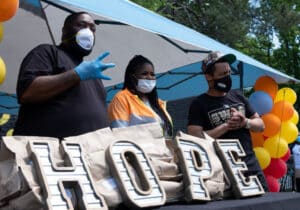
<point x="221" y="115"/>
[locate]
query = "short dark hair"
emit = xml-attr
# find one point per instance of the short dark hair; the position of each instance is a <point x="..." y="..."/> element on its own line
<point x="68" y="30"/>
<point x="70" y="18"/>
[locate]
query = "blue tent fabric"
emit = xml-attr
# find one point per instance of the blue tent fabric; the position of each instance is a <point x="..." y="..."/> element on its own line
<point x="8" y="103"/>
<point x="33" y="6"/>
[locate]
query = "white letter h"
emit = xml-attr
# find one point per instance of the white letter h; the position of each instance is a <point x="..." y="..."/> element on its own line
<point x="73" y="175"/>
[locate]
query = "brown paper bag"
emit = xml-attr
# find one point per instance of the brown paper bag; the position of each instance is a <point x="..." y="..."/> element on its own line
<point x="150" y="138"/>
<point x="215" y="183"/>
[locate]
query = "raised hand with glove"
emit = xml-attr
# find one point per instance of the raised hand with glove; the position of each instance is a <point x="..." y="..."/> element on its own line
<point x="87" y="70"/>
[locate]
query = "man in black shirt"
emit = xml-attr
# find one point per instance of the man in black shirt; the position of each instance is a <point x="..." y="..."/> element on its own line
<point x="60" y="94"/>
<point x="224" y="113"/>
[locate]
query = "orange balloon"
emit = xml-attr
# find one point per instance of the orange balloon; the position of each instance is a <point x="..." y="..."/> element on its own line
<point x="8" y="9"/>
<point x="266" y="84"/>
<point x="272" y="124"/>
<point x="283" y="109"/>
<point x="257" y="139"/>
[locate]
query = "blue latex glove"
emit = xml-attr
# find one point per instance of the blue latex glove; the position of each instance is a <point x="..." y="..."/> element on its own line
<point x="93" y="69"/>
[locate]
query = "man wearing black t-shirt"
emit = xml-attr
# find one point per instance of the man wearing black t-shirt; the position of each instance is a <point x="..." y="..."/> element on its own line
<point x="224" y="113"/>
<point x="60" y="94"/>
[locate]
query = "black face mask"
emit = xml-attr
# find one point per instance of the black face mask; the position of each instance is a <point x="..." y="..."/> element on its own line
<point x="223" y="84"/>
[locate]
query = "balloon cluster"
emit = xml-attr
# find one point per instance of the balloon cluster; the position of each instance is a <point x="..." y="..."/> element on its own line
<point x="280" y="118"/>
<point x="8" y="9"/>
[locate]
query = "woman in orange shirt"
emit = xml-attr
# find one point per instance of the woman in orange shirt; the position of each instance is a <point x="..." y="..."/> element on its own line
<point x="138" y="103"/>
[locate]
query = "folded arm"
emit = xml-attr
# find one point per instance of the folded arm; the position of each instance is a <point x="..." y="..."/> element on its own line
<point x="44" y="88"/>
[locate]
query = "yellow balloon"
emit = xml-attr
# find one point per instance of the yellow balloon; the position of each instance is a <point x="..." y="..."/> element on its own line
<point x="1" y="31"/>
<point x="4" y="119"/>
<point x="295" y="117"/>
<point x="286" y="94"/>
<point x="10" y="132"/>
<point x="288" y="131"/>
<point x="262" y="156"/>
<point x="2" y="71"/>
<point x="276" y="146"/>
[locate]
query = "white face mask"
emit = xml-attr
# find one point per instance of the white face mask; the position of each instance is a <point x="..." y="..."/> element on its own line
<point x="85" y="38"/>
<point x="145" y="85"/>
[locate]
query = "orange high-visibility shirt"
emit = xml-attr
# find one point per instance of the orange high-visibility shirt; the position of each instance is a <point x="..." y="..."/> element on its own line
<point x="127" y="109"/>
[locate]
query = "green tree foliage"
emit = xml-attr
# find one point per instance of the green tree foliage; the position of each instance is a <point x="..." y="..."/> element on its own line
<point x="227" y="21"/>
<point x="281" y="19"/>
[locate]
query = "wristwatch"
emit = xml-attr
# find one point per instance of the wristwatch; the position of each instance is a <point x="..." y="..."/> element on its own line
<point x="248" y="125"/>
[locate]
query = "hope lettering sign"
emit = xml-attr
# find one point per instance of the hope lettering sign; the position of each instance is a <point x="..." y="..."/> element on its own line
<point x="74" y="173"/>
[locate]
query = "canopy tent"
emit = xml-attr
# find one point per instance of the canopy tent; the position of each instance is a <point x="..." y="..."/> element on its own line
<point x="126" y="29"/>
